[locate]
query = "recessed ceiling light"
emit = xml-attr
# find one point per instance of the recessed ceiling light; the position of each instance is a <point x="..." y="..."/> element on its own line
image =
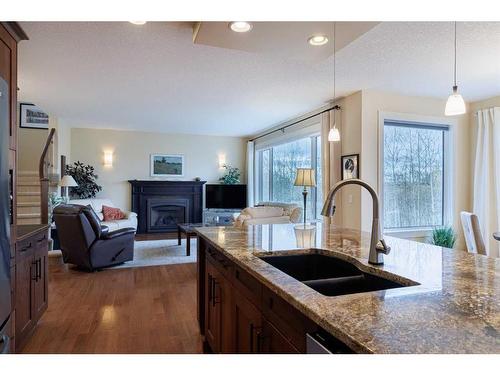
<point x="317" y="40"/>
<point x="138" y="22"/>
<point x="240" y="26"/>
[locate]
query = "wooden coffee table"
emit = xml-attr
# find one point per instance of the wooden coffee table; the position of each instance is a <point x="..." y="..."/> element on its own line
<point x="188" y="230"/>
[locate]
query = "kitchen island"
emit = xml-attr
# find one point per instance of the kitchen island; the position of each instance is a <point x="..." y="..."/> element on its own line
<point x="449" y="302"/>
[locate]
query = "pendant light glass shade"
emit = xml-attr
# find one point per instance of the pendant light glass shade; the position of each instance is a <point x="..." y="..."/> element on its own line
<point x="455" y="104"/>
<point x="333" y="134"/>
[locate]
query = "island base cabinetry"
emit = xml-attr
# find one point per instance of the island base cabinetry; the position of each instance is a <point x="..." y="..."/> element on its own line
<point x="238" y="314"/>
<point x="31" y="284"/>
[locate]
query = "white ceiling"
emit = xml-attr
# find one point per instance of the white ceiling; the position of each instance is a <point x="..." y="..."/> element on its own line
<point x="153" y="78"/>
<point x="283" y="40"/>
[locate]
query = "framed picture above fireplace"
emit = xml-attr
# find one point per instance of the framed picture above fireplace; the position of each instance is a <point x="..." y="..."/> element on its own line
<point x="167" y="165"/>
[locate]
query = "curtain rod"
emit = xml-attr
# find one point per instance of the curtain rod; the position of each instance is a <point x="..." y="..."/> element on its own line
<point x="282" y="129"/>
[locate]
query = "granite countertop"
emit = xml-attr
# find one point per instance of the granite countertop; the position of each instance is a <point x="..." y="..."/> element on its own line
<point x="455" y="308"/>
<point x="25" y="231"/>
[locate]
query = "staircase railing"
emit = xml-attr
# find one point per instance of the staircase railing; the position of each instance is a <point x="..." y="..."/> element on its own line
<point x="43" y="172"/>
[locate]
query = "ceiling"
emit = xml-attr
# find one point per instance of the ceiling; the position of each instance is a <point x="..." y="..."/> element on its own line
<point x="154" y="78"/>
<point x="285" y="40"/>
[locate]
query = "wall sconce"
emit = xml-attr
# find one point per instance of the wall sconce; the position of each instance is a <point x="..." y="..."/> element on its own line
<point x="108" y="159"/>
<point x="222" y="160"/>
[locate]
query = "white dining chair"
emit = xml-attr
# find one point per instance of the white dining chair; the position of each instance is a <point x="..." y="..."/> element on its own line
<point x="472" y="233"/>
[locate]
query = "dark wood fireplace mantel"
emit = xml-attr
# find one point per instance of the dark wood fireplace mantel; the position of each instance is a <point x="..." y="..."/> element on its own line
<point x="161" y="205"/>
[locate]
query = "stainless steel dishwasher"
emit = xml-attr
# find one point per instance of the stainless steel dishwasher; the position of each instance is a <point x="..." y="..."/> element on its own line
<point x="322" y="342"/>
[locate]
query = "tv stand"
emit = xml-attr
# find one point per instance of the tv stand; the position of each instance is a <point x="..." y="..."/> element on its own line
<point x="215" y="216"/>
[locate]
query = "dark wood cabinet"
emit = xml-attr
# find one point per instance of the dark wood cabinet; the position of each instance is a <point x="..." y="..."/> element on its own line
<point x="237" y="314"/>
<point x="31" y="294"/>
<point x="41" y="276"/>
<point x="24" y="290"/>
<point x="213" y="313"/>
<point x="273" y="340"/>
<point x="247" y="325"/>
<point x="8" y="70"/>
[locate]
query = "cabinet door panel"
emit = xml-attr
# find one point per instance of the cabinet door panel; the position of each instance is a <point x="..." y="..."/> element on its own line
<point x="274" y="342"/>
<point x="25" y="274"/>
<point x="8" y="70"/>
<point x="212" y="309"/>
<point x="41" y="282"/>
<point x="246" y="325"/>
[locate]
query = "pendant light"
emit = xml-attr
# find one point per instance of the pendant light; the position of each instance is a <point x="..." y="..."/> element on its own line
<point x="334" y="134"/>
<point x="455" y="104"/>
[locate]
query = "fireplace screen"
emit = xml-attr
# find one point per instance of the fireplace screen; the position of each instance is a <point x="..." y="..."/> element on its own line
<point x="166" y="216"/>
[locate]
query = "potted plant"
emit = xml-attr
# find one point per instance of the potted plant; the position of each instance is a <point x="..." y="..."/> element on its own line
<point x="231" y="177"/>
<point x="444" y="237"/>
<point x="85" y="177"/>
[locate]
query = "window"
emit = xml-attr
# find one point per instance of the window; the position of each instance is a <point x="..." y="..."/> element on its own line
<point x="276" y="168"/>
<point x="415" y="174"/>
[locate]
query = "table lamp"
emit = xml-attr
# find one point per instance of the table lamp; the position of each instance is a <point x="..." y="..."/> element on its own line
<point x="66" y="182"/>
<point x="305" y="177"/>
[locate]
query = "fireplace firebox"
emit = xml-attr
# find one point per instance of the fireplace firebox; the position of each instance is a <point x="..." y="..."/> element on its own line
<point x="161" y="205"/>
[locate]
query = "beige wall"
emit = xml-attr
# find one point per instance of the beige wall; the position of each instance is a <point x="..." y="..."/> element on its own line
<point x="63" y="136"/>
<point x="372" y="103"/>
<point x="351" y="144"/>
<point x="30" y="147"/>
<point x="131" y="154"/>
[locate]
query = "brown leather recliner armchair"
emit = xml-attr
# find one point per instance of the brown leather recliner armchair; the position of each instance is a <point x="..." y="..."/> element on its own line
<point x="85" y="243"/>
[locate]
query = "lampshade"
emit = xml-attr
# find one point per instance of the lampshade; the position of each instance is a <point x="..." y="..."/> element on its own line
<point x="455" y="104"/>
<point x="305" y="236"/>
<point x="305" y="177"/>
<point x="68" y="181"/>
<point x="334" y="135"/>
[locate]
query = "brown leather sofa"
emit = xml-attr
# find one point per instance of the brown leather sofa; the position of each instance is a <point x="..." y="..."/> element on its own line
<point x="87" y="244"/>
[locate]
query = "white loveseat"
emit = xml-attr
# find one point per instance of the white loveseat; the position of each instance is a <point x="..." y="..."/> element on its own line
<point x="270" y="213"/>
<point x="130" y="220"/>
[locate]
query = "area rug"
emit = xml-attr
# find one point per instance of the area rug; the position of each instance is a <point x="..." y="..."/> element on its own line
<point x="152" y="253"/>
<point x="160" y="252"/>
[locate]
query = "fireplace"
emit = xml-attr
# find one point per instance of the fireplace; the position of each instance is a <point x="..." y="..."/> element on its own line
<point x="165" y="214"/>
<point x="161" y="205"/>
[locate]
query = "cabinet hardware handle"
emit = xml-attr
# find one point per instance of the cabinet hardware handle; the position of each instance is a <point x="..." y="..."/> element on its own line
<point x="251" y="337"/>
<point x="209" y="288"/>
<point x="260" y="341"/>
<point x="41" y="240"/>
<point x="33" y="271"/>
<point x="215" y="301"/>
<point x="213" y="292"/>
<point x="27" y="247"/>
<point x="259" y="338"/>
<point x="39" y="269"/>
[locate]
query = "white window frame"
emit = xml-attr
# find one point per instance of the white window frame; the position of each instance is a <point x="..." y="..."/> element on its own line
<point x="448" y="165"/>
<point x="301" y="134"/>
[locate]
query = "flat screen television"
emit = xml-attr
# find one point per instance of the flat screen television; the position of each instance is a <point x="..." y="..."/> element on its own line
<point x="225" y="196"/>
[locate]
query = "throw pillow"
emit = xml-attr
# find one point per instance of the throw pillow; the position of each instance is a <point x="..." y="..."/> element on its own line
<point x="112" y="213"/>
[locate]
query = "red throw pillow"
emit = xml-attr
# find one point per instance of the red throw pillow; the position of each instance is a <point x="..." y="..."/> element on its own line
<point x="112" y="213"/>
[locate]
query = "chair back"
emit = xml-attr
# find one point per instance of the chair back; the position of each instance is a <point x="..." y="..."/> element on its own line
<point x="78" y="228"/>
<point x="472" y="233"/>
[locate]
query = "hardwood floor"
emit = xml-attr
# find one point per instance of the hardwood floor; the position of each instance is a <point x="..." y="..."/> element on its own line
<point x="132" y="310"/>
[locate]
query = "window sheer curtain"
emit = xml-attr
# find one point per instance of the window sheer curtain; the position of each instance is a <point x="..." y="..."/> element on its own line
<point x="330" y="157"/>
<point x="250" y="173"/>
<point x="486" y="188"/>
